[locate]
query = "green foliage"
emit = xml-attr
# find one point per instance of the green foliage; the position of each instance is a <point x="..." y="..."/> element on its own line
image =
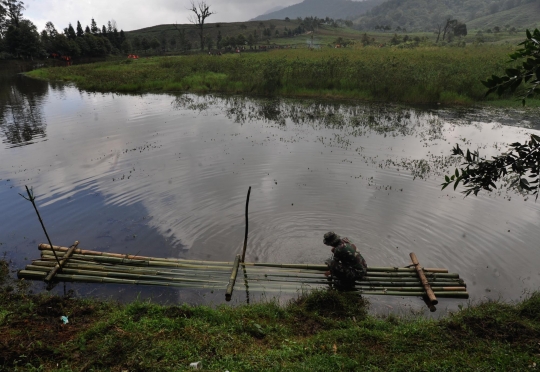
<point x="528" y="72"/>
<point x="331" y="303"/>
<point x="522" y="161"/>
<point x="23" y="40"/>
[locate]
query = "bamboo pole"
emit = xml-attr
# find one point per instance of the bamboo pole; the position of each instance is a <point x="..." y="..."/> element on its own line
<point x="32" y="199"/>
<point x="189" y="270"/>
<point x="62" y="263"/>
<point x="123" y="275"/>
<point x="232" y="280"/>
<point x="29" y="274"/>
<point x="255" y="275"/>
<point x="407" y="284"/>
<point x="46" y="247"/>
<point x="256" y="280"/>
<point x="423" y="279"/>
<point x="246" y="234"/>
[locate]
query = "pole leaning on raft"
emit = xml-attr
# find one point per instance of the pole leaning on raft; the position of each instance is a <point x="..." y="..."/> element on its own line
<point x="232" y="279"/>
<point x="31" y="198"/>
<point x="429" y="292"/>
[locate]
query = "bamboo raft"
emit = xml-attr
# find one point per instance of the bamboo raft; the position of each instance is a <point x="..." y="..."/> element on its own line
<point x="63" y="264"/>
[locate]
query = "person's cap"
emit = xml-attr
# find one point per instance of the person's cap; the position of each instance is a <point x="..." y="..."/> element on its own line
<point x="330" y="238"/>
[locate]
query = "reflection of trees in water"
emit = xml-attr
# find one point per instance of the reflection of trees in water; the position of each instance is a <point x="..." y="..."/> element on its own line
<point x="21" y="118"/>
<point x="354" y="120"/>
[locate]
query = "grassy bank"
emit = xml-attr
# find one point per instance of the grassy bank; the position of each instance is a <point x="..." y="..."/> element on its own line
<point x="324" y="331"/>
<point x="420" y="75"/>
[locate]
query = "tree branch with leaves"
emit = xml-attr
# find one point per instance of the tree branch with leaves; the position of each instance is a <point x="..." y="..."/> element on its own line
<point x="521" y="163"/>
<point x="528" y="73"/>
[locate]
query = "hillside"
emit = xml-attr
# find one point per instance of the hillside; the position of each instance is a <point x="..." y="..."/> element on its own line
<point x="336" y="9"/>
<point x="324" y="34"/>
<point x="167" y="32"/>
<point x="424" y="15"/>
<point x="523" y="16"/>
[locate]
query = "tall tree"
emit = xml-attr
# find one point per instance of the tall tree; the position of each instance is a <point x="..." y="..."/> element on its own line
<point x="80" y="31"/>
<point x="3" y="17"/>
<point x="51" y="30"/>
<point x="13" y="11"/>
<point x="71" y="32"/>
<point x="87" y="30"/>
<point x="154" y="43"/>
<point x="104" y="31"/>
<point x="23" y="41"/>
<point x="94" y="28"/>
<point x="201" y="11"/>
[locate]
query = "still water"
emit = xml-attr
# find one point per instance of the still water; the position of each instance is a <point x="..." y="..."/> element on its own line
<point x="167" y="175"/>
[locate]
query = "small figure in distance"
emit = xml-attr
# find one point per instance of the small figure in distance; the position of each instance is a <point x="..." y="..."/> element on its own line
<point x="346" y="265"/>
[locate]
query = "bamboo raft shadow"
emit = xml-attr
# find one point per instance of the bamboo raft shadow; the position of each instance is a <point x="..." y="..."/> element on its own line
<point x="72" y="264"/>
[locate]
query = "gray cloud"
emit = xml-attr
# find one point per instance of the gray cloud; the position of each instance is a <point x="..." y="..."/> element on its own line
<point x="136" y="14"/>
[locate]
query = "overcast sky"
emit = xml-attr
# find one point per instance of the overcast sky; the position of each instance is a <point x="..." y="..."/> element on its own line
<point x="135" y="14"/>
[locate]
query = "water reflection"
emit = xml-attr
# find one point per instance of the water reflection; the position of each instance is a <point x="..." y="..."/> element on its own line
<point x="21" y="116"/>
<point x="363" y="119"/>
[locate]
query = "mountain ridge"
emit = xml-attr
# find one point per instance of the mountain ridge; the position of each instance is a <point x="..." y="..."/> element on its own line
<point x="336" y="9"/>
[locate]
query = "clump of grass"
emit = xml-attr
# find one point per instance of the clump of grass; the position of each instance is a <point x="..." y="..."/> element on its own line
<point x="331" y="303"/>
<point x="420" y="75"/>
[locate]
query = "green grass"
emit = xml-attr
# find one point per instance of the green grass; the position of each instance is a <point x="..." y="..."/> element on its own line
<point x="419" y="75"/>
<point x="322" y="331"/>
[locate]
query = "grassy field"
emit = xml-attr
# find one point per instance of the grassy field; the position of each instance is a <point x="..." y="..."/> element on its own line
<point x="416" y="75"/>
<point x="323" y="331"/>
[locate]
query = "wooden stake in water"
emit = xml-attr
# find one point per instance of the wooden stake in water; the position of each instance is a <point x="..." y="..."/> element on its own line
<point x="32" y="199"/>
<point x="246" y="235"/>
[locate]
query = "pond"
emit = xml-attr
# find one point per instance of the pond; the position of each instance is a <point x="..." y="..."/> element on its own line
<point x="167" y="175"/>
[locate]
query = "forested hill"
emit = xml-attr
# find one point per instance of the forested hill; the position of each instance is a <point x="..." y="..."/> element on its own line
<point x="336" y="9"/>
<point x="424" y="15"/>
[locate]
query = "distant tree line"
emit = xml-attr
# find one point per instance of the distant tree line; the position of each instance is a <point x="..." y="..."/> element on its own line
<point x="19" y="37"/>
<point x="90" y="42"/>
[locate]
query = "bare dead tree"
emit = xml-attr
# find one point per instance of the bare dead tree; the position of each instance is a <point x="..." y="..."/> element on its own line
<point x="438" y="32"/>
<point x="201" y="11"/>
<point x="450" y="24"/>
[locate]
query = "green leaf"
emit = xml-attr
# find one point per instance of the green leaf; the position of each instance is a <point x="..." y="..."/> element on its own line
<point x="457" y="172"/>
<point x="447" y="179"/>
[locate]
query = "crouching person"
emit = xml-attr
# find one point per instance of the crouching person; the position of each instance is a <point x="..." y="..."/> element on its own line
<point x="346" y="265"/>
